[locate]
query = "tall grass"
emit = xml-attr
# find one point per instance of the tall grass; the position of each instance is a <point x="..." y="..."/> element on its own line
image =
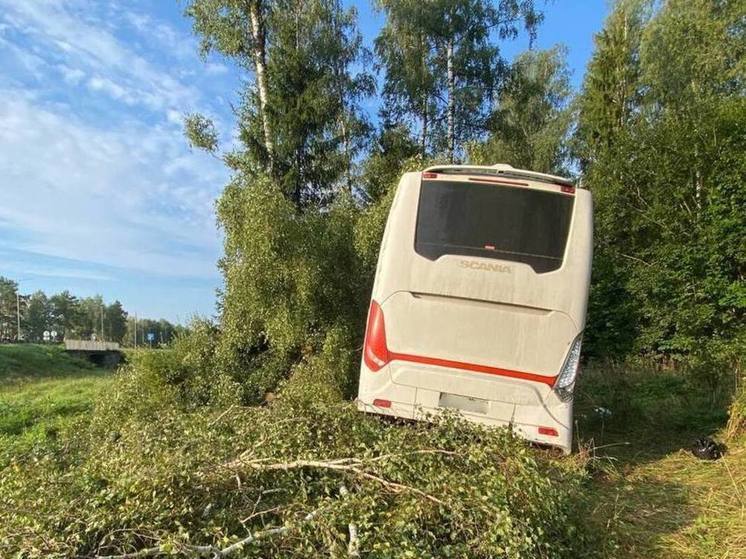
<point x="42" y="390"/>
<point x="30" y="362"/>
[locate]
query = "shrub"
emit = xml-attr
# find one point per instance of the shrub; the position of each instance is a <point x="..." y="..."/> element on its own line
<point x="289" y="278"/>
<point x="212" y="477"/>
<point x="646" y="398"/>
<point x="170" y="460"/>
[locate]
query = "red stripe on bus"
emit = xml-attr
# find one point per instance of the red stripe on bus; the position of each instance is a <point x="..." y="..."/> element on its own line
<point x="500" y="181"/>
<point x="472" y="367"/>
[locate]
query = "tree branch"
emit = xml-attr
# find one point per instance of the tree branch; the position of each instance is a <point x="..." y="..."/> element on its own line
<point x="350" y="465"/>
<point x="211" y="550"/>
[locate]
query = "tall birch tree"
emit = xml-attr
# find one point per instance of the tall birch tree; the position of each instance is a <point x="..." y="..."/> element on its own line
<point x="442" y="64"/>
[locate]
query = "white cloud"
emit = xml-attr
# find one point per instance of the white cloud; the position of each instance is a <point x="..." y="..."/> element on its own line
<point x="216" y="69"/>
<point x="72" y="76"/>
<point x="107" y="86"/>
<point x="175" y="117"/>
<point x="96" y="180"/>
<point x="158" y="32"/>
<point x="93" y="163"/>
<point x="131" y="196"/>
<point x="61" y="272"/>
<point x="85" y="43"/>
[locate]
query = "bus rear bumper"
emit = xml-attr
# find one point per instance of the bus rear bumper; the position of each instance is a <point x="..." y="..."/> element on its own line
<point x="545" y="419"/>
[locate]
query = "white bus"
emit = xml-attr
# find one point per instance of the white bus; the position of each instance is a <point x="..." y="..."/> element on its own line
<point x="479" y="300"/>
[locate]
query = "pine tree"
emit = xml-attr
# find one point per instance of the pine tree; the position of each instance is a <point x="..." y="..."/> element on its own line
<point x="238" y="29"/>
<point x="115" y="322"/>
<point x="64" y="313"/>
<point x="8" y="292"/>
<point x="300" y="121"/>
<point x="612" y="90"/>
<point x="37" y="318"/>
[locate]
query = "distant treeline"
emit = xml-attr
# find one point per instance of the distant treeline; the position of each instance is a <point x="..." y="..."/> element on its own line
<point x="75" y="317"/>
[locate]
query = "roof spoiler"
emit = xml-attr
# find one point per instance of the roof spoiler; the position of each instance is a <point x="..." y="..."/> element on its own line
<point x="501" y="170"/>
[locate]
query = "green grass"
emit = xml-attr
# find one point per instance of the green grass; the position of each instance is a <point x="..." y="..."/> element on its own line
<point x="650" y="496"/>
<point x="43" y="388"/>
<point x="21" y="363"/>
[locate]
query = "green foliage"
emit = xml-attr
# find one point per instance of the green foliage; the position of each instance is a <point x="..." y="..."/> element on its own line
<point x="37" y="317"/>
<point x="64" y="313"/>
<point x="71" y="317"/>
<point x="200" y="132"/>
<point x="737" y="413"/>
<point x="611" y="88"/>
<point x="287" y="281"/>
<point x="8" y="292"/>
<point x="303" y="125"/>
<point x="172" y="457"/>
<point x="390" y="152"/>
<point x="443" y="64"/>
<point x="661" y="141"/>
<point x="529" y="126"/>
<point x="115" y="322"/>
<point x="206" y="477"/>
<point x="312" y="95"/>
<point x="184" y="376"/>
<point x="649" y="401"/>
<point x="649" y="496"/>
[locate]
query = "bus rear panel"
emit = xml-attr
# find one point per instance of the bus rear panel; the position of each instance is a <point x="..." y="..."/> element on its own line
<point x="479" y="300"/>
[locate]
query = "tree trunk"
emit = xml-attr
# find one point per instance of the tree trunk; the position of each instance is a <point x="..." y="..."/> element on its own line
<point x="259" y="55"/>
<point x="425" y="98"/>
<point x="346" y="148"/>
<point x="451" y="102"/>
<point x="423" y="138"/>
<point x="298" y="186"/>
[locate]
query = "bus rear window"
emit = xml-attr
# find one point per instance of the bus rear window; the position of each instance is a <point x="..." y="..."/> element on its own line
<point x="491" y="221"/>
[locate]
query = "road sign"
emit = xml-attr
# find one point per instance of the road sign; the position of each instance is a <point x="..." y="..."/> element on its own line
<point x="151" y="336"/>
<point x="46" y="335"/>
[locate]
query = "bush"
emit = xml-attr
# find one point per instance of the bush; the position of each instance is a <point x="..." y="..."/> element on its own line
<point x="646" y="398"/>
<point x="289" y="278"/>
<point x="170" y="460"/>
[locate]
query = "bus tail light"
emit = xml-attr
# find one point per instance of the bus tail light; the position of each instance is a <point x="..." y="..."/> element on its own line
<point x="566" y="378"/>
<point x="375" y="352"/>
<point x="549" y="431"/>
<point x="380" y="403"/>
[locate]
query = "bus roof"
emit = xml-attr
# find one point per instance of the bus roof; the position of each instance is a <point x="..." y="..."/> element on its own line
<point x="501" y="169"/>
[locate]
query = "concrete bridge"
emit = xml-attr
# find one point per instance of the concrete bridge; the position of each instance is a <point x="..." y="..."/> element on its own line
<point x="105" y="354"/>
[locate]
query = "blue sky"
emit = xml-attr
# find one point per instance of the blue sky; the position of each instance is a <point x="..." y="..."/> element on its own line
<point x="99" y="193"/>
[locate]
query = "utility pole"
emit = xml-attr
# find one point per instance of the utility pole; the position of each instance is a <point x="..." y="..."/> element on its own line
<point x="18" y="317"/>
<point x="102" y="322"/>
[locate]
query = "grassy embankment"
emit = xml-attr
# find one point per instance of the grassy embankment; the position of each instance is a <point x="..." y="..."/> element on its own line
<point x="42" y="388"/>
<point x="648" y="494"/>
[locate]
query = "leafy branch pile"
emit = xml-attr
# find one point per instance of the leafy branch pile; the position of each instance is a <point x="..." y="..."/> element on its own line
<point x="152" y="473"/>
